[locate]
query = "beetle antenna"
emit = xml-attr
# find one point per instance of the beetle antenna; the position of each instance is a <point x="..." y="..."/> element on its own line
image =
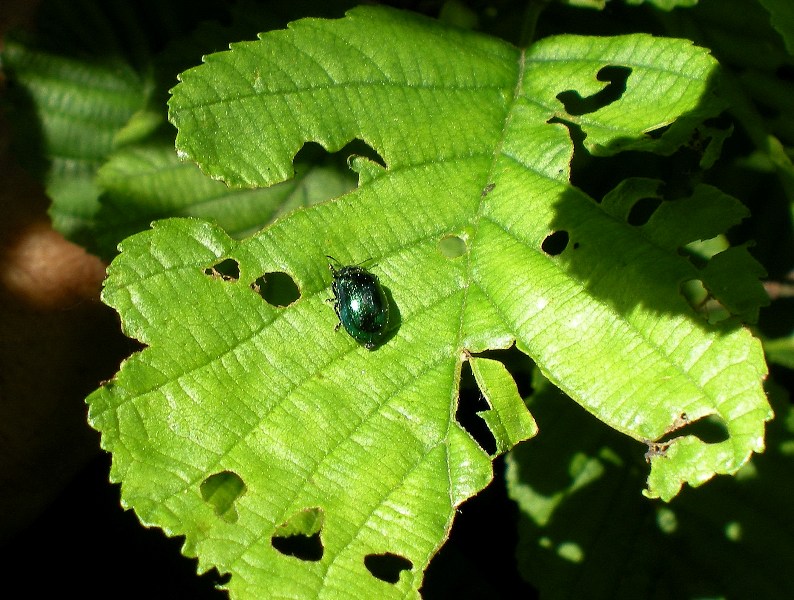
<point x="330" y="265"/>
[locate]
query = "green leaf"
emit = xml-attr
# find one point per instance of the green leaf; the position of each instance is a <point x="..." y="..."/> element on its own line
<point x="596" y="4"/>
<point x="665" y="4"/>
<point x="67" y="113"/>
<point x="146" y="181"/>
<point x="86" y="101"/>
<point x="479" y="240"/>
<point x="731" y="275"/>
<point x="780" y="351"/>
<point x="782" y="14"/>
<point x="753" y="58"/>
<point x="585" y="533"/>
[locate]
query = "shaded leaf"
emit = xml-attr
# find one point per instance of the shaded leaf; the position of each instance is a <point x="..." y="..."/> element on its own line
<point x="782" y="14"/>
<point x="584" y="532"/>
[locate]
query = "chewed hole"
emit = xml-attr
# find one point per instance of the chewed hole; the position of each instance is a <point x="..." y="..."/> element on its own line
<point x="518" y="364"/>
<point x="277" y="288"/>
<point x="555" y="243"/>
<point x="299" y="536"/>
<point x="312" y="157"/>
<point x="221" y="491"/>
<point x="710" y="429"/>
<point x="470" y="403"/>
<point x="228" y="269"/>
<point x="387" y="567"/>
<point x="576" y="105"/>
<point x="302" y="547"/>
<point x="452" y="246"/>
<point x="642" y="211"/>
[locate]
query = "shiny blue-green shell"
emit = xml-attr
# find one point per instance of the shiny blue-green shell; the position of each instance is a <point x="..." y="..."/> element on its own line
<point x="360" y="303"/>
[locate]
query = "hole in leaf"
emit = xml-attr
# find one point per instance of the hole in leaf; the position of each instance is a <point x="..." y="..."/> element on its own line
<point x="361" y="149"/>
<point x="576" y="134"/>
<point x="302" y="547"/>
<point x="576" y="105"/>
<point x="452" y="246"/>
<point x="277" y="288"/>
<point x="471" y="402"/>
<point x="518" y="364"/>
<point x="299" y="536"/>
<point x="387" y="567"/>
<point x="710" y="429"/>
<point x="642" y="211"/>
<point x="221" y="491"/>
<point x="325" y="175"/>
<point x="228" y="269"/>
<point x="555" y="243"/>
<point x="313" y="153"/>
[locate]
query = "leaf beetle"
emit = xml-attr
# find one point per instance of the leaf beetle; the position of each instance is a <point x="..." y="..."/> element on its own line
<point x="359" y="302"/>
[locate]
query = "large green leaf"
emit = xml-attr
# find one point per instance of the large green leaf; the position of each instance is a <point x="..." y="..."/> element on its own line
<point x="480" y="241"/>
<point x="782" y="16"/>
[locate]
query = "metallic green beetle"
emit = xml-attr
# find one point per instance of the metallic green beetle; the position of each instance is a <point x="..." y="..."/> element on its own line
<point x="360" y="303"/>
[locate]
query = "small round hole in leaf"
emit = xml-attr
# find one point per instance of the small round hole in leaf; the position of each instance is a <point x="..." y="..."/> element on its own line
<point x="299" y="536"/>
<point x="452" y="246"/>
<point x="387" y="567"/>
<point x="277" y="288"/>
<point x="555" y="243"/>
<point x="227" y="269"/>
<point x="221" y="491"/>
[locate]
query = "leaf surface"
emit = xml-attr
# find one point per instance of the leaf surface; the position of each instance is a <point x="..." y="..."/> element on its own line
<point x="470" y="130"/>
